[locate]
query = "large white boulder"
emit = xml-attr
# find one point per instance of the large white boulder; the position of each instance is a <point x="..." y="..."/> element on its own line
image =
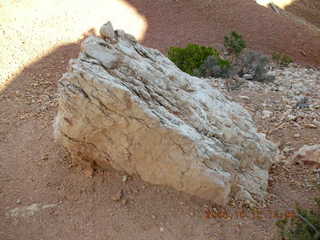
<point x="129" y="107"/>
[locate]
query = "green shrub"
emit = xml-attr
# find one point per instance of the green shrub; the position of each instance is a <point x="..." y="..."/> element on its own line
<point x="215" y="66"/>
<point x="281" y="59"/>
<point x="304" y="226"/>
<point x="206" y="62"/>
<point x="190" y="58"/>
<point x="234" y="43"/>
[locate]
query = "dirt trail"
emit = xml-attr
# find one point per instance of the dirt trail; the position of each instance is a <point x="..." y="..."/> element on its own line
<point x="69" y="205"/>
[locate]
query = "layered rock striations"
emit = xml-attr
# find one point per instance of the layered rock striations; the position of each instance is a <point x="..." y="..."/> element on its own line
<point x="129" y="107"/>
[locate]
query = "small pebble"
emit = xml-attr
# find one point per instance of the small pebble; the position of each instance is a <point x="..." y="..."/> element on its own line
<point x="309" y="125"/>
<point x="117" y="196"/>
<point x="291" y="117"/>
<point x="124" y="202"/>
<point x="124" y="178"/>
<point x="297" y="135"/>
<point x="245" y="97"/>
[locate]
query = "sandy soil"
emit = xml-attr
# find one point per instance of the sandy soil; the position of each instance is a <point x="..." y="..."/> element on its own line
<point x="42" y="196"/>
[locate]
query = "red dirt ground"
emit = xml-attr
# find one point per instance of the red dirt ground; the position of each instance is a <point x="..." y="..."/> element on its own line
<point x="34" y="169"/>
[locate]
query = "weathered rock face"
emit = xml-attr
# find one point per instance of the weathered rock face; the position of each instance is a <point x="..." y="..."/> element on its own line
<point x="129" y="107"/>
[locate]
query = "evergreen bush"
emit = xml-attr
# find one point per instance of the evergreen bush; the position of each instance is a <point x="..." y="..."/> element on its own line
<point x="190" y="58"/>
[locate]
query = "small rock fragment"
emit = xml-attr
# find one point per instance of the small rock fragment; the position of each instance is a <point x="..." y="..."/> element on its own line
<point x="124" y="178"/>
<point x="106" y="31"/>
<point x="302" y="102"/>
<point x="266" y="114"/>
<point x="245" y="97"/>
<point x="248" y="76"/>
<point x="124" y="201"/>
<point x="297" y="135"/>
<point x="29" y="211"/>
<point x="88" y="172"/>
<point x="288" y="149"/>
<point x="291" y="117"/>
<point x="45" y="157"/>
<point x="117" y="196"/>
<point x="309" y="125"/>
<point x="316" y="122"/>
<point x="308" y="153"/>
